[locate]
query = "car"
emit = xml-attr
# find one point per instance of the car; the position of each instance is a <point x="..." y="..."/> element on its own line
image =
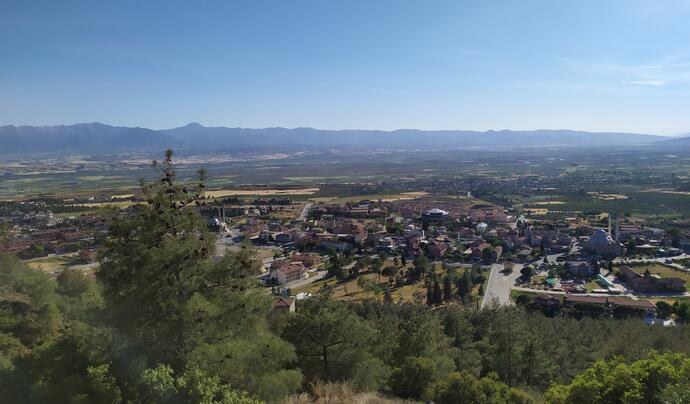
<point x="668" y="261"/>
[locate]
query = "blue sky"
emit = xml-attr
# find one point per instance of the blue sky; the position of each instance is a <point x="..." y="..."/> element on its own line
<point x="580" y="64"/>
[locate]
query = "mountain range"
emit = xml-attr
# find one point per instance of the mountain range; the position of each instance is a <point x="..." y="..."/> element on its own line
<point x="98" y="138"/>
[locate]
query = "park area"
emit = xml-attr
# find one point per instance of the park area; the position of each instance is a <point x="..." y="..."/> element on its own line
<point x="369" y="285"/>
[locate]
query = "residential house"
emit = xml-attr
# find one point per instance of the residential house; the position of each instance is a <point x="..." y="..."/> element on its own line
<point x="285" y="304"/>
<point x="436" y="249"/>
<point x="289" y="272"/>
<point x="309" y="260"/>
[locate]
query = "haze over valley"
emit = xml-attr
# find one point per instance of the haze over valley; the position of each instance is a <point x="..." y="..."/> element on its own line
<point x="374" y="202"/>
<point x="97" y="138"/>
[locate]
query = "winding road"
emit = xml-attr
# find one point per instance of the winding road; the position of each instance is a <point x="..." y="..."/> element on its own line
<point x="305" y="212"/>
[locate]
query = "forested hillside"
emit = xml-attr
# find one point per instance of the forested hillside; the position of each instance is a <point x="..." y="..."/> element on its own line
<point x="164" y="322"/>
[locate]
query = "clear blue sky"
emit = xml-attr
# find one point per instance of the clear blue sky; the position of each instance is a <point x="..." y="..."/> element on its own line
<point x="594" y="65"/>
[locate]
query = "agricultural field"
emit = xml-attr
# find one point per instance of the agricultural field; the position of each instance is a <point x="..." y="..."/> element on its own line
<point x="638" y="203"/>
<point x="260" y="192"/>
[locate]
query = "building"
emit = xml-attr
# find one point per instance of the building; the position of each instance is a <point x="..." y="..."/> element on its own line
<point x="436" y="249"/>
<point x="288" y="273"/>
<point x="277" y="264"/>
<point x="75" y="235"/>
<point x="414" y="246"/>
<point x="492" y="216"/>
<point x="650" y="283"/>
<point x="283" y="238"/>
<point x="601" y="243"/>
<point x="617" y="303"/>
<point x="611" y="304"/>
<point x="286" y="304"/>
<point x="45" y="237"/>
<point x="17" y="245"/>
<point x="548" y="303"/>
<point x="579" y="269"/>
<point x="353" y="229"/>
<point x="309" y="260"/>
<point x="572" y="300"/>
<point x="435" y="216"/>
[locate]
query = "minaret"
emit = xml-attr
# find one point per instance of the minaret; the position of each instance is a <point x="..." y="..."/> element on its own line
<point x="609" y="224"/>
<point x="618" y="230"/>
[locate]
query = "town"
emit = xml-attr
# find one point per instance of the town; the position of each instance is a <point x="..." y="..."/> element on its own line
<point x="438" y="249"/>
<point x="344" y="202"/>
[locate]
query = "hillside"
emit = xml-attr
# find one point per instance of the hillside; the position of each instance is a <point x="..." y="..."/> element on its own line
<point x="80" y="138"/>
<point x="97" y="138"/>
<point x="195" y="134"/>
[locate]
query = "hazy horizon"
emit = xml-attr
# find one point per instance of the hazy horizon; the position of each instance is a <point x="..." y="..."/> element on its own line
<point x="344" y="129"/>
<point x="586" y="65"/>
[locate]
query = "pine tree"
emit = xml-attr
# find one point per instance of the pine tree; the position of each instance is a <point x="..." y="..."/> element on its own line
<point x="447" y="288"/>
<point x="169" y="297"/>
<point x="437" y="293"/>
<point x="429" y="293"/>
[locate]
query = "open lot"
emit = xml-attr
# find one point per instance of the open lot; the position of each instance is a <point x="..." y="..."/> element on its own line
<point x="51" y="263"/>
<point x="260" y="192"/>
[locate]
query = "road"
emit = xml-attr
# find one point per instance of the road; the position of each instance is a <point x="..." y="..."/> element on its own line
<point x="661" y="260"/>
<point x="499" y="285"/>
<point x="305" y="212"/>
<point x="313" y="277"/>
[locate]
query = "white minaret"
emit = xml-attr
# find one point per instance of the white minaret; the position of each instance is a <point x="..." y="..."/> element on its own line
<point x="609" y="224"/>
<point x="618" y="230"/>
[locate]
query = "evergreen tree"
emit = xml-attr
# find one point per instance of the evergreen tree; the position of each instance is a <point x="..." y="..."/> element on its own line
<point x="447" y="288"/>
<point x="429" y="293"/>
<point x="333" y="344"/>
<point x="464" y="286"/>
<point x="376" y="266"/>
<point x="174" y="302"/>
<point x="437" y="293"/>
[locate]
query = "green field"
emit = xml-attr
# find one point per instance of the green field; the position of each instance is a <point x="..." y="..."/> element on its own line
<point x="664" y="272"/>
<point x="638" y="203"/>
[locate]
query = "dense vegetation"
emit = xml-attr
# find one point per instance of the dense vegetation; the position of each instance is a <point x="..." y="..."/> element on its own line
<point x="167" y="322"/>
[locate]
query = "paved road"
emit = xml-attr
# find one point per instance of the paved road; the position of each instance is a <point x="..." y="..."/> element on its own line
<point x="499" y="285"/>
<point x="635" y="296"/>
<point x="305" y="212"/>
<point x="661" y="260"/>
<point x="313" y="277"/>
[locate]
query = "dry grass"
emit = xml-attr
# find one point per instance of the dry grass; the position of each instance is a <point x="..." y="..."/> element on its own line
<point x="51" y="263"/>
<point x="405" y="196"/>
<point x="536" y="211"/>
<point x="260" y="192"/>
<point x="113" y="203"/>
<point x="548" y="203"/>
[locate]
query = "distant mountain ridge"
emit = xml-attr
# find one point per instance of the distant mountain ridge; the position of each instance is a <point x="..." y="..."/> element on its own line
<point x="683" y="140"/>
<point x="80" y="138"/>
<point x="101" y="138"/>
<point x="401" y="138"/>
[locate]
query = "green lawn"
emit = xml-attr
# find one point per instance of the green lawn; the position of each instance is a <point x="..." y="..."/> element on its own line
<point x="664" y="272"/>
